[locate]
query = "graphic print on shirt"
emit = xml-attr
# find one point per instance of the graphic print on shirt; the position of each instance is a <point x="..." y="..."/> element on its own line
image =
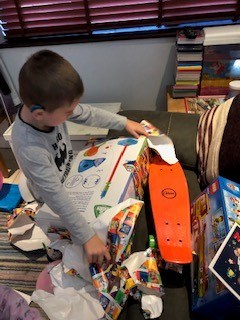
<point x="63" y="157"/>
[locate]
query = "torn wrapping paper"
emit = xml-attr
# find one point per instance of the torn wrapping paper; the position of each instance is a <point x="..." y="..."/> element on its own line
<point x="117" y="222"/>
<point x="75" y="262"/>
<point x="23" y="232"/>
<point x="125" y="274"/>
<point x="113" y="282"/>
<point x="74" y="258"/>
<point x="160" y="143"/>
<point x="101" y="225"/>
<point x="142" y="267"/>
<point x="60" y="279"/>
<point x="117" y="280"/>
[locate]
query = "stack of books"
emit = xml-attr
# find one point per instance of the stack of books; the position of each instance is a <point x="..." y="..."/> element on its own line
<point x="188" y="64"/>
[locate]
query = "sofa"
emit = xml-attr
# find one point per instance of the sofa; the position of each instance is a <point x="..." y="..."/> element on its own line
<point x="182" y="128"/>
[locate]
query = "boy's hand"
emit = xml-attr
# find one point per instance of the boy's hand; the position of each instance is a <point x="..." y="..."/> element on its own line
<point x="96" y="251"/>
<point x="135" y="129"/>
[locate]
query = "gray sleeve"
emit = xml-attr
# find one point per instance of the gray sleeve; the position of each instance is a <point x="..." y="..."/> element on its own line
<point x="95" y="117"/>
<point x="36" y="165"/>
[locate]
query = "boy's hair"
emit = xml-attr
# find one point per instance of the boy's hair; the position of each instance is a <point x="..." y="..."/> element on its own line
<point x="48" y="80"/>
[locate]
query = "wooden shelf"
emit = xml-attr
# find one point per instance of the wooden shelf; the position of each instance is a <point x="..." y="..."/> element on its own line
<point x="174" y="104"/>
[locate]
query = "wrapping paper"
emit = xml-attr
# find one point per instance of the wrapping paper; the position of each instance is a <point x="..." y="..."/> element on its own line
<point x="143" y="269"/>
<point x="160" y="143"/>
<point x="22" y="230"/>
<point x="117" y="280"/>
<point x="126" y="273"/>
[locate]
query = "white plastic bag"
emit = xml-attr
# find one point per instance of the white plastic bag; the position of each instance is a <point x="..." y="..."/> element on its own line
<point x="153" y="305"/>
<point x="69" y="303"/>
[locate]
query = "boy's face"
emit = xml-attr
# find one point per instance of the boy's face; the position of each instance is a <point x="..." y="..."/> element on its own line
<point x="58" y="116"/>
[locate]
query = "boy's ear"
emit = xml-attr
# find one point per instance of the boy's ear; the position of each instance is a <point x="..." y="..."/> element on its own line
<point x="38" y="114"/>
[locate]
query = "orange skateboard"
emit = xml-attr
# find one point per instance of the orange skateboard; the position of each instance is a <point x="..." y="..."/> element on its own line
<point x="171" y="210"/>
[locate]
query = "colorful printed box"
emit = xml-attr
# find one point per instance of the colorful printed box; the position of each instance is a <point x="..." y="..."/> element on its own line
<point x="103" y="175"/>
<point x="213" y="215"/>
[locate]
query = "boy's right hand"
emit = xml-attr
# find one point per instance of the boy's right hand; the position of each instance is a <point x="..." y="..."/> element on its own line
<point x="96" y="251"/>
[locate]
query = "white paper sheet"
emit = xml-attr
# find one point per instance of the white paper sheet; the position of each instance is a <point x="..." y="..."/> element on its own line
<point x="164" y="147"/>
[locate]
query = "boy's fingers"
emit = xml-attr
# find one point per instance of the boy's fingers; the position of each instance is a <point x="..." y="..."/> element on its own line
<point x="100" y="260"/>
<point x="89" y="258"/>
<point x="107" y="256"/>
<point x="135" y="135"/>
<point x="92" y="258"/>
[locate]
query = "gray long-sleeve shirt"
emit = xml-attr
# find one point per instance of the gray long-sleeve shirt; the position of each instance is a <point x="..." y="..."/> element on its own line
<point x="45" y="158"/>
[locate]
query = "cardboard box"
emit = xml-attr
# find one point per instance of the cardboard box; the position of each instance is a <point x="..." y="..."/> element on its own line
<point x="213" y="214"/>
<point x="103" y="175"/>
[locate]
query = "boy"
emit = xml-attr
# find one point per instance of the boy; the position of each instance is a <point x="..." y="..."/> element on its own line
<point x="50" y="89"/>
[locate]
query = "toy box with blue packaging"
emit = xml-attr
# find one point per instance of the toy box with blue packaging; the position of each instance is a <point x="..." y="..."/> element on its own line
<point x="213" y="213"/>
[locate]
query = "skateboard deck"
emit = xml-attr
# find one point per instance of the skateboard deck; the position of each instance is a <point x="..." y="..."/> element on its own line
<point x="171" y="210"/>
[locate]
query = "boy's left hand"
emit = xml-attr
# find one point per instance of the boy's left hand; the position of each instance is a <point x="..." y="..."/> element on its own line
<point x="135" y="129"/>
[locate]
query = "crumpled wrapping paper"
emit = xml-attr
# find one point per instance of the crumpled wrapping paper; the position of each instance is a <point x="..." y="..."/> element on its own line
<point x="125" y="274"/>
<point x="22" y="230"/>
<point x="160" y="142"/>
